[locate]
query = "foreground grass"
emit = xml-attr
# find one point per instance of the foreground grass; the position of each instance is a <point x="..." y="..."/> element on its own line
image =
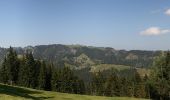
<point x="19" y="93"/>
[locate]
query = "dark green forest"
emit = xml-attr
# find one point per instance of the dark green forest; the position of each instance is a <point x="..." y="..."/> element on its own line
<point x="34" y="72"/>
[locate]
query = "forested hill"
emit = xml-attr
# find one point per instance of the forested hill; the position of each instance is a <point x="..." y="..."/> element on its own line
<point x="78" y="55"/>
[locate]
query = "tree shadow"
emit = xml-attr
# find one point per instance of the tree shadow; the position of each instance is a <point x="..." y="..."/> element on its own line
<point x="21" y="92"/>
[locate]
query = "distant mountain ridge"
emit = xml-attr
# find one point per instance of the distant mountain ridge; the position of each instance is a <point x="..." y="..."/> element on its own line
<point x="73" y="54"/>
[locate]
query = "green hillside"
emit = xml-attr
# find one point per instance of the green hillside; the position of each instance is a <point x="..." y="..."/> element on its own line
<point x="102" y="67"/>
<point x="123" y="69"/>
<point x="74" y="54"/>
<point x="18" y="93"/>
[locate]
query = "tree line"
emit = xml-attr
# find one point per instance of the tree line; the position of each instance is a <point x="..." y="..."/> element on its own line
<point x="38" y="74"/>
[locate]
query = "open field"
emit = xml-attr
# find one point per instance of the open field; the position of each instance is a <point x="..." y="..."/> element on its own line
<point x="102" y="67"/>
<point x="20" y="93"/>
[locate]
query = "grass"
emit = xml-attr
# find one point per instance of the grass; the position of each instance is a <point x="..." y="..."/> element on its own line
<point x="102" y="67"/>
<point x="19" y="93"/>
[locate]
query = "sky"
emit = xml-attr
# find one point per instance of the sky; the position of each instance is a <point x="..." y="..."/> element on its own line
<point x="121" y="24"/>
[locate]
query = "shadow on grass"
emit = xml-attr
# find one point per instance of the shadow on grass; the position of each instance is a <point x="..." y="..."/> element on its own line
<point x="20" y="92"/>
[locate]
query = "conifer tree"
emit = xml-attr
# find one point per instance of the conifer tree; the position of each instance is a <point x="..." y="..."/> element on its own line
<point x="12" y="66"/>
<point x="36" y="73"/>
<point x="160" y="77"/>
<point x="81" y="87"/>
<point x="125" y="87"/>
<point x="128" y="85"/>
<point x="42" y="76"/>
<point x="30" y="65"/>
<point x="3" y="72"/>
<point x="112" y="85"/>
<point x="23" y="73"/>
<point x="49" y="77"/>
<point x="54" y="79"/>
<point x="98" y="84"/>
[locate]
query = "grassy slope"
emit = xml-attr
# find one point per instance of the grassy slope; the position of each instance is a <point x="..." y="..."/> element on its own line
<point x="102" y="67"/>
<point x="18" y="93"/>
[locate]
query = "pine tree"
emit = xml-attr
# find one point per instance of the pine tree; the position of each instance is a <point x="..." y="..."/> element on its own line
<point x="67" y="80"/>
<point x="125" y="86"/>
<point x="36" y="73"/>
<point x="3" y="72"/>
<point x="160" y="77"/>
<point x="98" y="84"/>
<point x="49" y="77"/>
<point x="109" y="86"/>
<point x="54" y="79"/>
<point x="129" y="88"/>
<point x="112" y="85"/>
<point x="30" y="66"/>
<point x="12" y="66"/>
<point x="42" y="76"/>
<point x="140" y="91"/>
<point x="23" y="73"/>
<point x="81" y="87"/>
<point x="147" y="86"/>
<point x="57" y="80"/>
<point x="139" y="86"/>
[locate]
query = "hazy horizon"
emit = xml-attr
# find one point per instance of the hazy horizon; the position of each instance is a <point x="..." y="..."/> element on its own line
<point x="120" y="24"/>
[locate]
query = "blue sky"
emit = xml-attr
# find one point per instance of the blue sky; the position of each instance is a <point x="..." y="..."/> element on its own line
<point x="121" y="24"/>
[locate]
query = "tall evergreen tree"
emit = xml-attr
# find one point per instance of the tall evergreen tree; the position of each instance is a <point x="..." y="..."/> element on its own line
<point x="12" y="66"/>
<point x="3" y="72"/>
<point x="126" y="87"/>
<point x="112" y="85"/>
<point x="49" y="77"/>
<point x="97" y="84"/>
<point x="30" y="66"/>
<point x="161" y="77"/>
<point x="54" y="79"/>
<point x="81" y="87"/>
<point x="23" y="72"/>
<point x="42" y="76"/>
<point x="67" y="80"/>
<point x="36" y="73"/>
